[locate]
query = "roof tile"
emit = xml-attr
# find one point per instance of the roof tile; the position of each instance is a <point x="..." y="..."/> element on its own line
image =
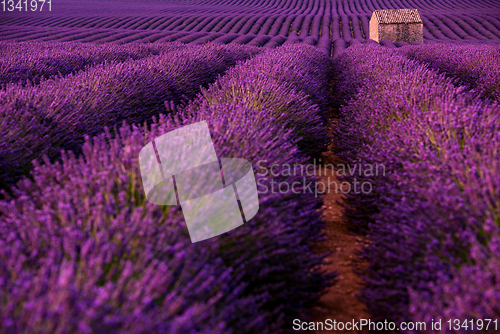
<point x="390" y="16"/>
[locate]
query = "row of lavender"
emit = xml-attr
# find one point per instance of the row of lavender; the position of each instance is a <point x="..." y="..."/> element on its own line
<point x="433" y="216"/>
<point x="32" y="62"/>
<point x="32" y="67"/>
<point x="28" y="61"/>
<point x="58" y="113"/>
<point x="82" y="251"/>
<point x="476" y="67"/>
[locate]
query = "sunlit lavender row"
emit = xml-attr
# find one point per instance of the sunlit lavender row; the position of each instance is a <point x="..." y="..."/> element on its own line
<point x="57" y="114"/>
<point x="83" y="251"/>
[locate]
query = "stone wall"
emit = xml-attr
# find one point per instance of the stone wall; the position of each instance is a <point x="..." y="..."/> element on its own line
<point x="374" y="29"/>
<point x="408" y="32"/>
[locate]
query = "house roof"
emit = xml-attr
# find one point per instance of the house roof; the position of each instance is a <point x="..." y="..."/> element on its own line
<point x="392" y="16"/>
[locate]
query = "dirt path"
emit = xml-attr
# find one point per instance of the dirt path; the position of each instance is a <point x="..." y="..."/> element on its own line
<point x="340" y="302"/>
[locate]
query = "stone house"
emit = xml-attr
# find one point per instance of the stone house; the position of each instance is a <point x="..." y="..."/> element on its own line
<point x="397" y="25"/>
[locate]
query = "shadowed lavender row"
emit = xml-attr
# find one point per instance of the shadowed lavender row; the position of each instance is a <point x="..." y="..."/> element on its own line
<point x="30" y="61"/>
<point x="82" y="250"/>
<point x="476" y="66"/>
<point x="58" y="113"/>
<point x="432" y="219"/>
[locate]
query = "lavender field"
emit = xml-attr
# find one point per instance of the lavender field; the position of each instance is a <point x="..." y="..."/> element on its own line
<point x="85" y="86"/>
<point x="330" y="25"/>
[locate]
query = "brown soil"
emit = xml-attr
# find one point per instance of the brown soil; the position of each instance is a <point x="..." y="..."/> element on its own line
<point x="340" y="302"/>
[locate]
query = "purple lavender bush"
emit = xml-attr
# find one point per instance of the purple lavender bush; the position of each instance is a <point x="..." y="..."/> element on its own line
<point x="476" y="66"/>
<point x="291" y="81"/>
<point x="431" y="213"/>
<point x="473" y="292"/>
<point x="94" y="256"/>
<point x="33" y="61"/>
<point x="82" y="250"/>
<point x="57" y="114"/>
